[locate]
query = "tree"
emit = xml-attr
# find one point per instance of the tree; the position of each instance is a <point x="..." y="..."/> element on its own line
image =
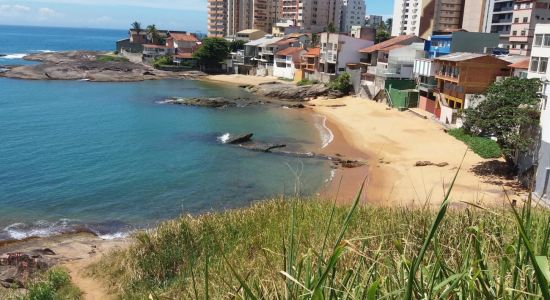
<point x="136" y="26"/>
<point x="212" y="53"/>
<point x="153" y="34"/>
<point x="314" y="40"/>
<point x="331" y="28"/>
<point x="235" y="46"/>
<point x="382" y="36"/>
<point x="389" y="24"/>
<point x="342" y="83"/>
<point x="511" y="106"/>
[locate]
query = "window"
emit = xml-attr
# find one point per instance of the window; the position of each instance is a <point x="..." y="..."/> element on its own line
<point x="525" y="19"/>
<point x="543" y="64"/>
<point x="546" y="40"/>
<point x="534" y="64"/>
<point x="538" y="40"/>
<point x="516" y="20"/>
<point x="514" y="32"/>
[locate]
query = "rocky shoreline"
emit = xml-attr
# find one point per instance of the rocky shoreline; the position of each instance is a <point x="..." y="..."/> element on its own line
<point x="88" y="66"/>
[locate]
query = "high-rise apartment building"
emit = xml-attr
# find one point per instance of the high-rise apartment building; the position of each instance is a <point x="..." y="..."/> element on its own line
<point x="312" y="15"/>
<point x="499" y="19"/>
<point x="475" y="13"/>
<point x="227" y="17"/>
<point x="353" y="14"/>
<point x="373" y="21"/>
<point x="527" y="14"/>
<point x="422" y="17"/>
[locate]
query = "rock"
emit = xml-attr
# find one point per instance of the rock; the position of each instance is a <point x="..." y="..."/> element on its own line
<point x="2" y="55"/>
<point x="443" y="164"/>
<point x="45" y="251"/>
<point x="202" y="102"/>
<point x="240" y="139"/>
<point x="297" y="106"/>
<point x="291" y="91"/>
<point x="260" y="147"/>
<point x="423" y="163"/>
<point x="351" y="164"/>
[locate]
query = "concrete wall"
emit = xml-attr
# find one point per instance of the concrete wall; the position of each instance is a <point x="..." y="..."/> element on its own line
<point x="284" y="72"/>
<point x="426" y="104"/>
<point x="474" y="42"/>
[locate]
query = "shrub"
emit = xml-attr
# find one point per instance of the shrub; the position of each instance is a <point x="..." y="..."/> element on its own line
<point x="55" y="284"/>
<point x="482" y="146"/>
<point x="108" y="58"/>
<point x="306" y="82"/>
<point x="342" y="83"/>
<point x="163" y="61"/>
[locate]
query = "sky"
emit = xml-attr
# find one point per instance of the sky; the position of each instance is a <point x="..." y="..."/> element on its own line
<point x="187" y="15"/>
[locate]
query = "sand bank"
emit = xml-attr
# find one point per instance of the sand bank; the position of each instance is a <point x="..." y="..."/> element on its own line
<point x="393" y="142"/>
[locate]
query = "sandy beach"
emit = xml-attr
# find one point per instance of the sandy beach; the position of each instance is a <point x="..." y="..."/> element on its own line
<point x="393" y="142"/>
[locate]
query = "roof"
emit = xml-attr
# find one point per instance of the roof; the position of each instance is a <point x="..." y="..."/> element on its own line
<point x="313" y="52"/>
<point x="513" y="58"/>
<point x="249" y="31"/>
<point x="295" y="35"/>
<point x="286" y="41"/>
<point x="391" y="42"/>
<point x="524" y="64"/>
<point x="460" y="56"/>
<point x="185" y="37"/>
<point x="388" y="49"/>
<point x="290" y="51"/>
<point x="265" y="40"/>
<point x="156" y="46"/>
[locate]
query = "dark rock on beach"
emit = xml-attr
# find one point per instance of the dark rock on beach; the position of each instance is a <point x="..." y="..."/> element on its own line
<point x="240" y="139"/>
<point x="202" y="102"/>
<point x="293" y="92"/>
<point x="18" y="268"/>
<point x="86" y="65"/>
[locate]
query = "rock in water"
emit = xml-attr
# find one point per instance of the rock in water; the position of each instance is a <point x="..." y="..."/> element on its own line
<point x="202" y="102"/>
<point x="240" y="139"/>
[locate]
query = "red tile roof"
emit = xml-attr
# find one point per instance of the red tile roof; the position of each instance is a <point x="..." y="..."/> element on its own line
<point x="286" y="41"/>
<point x="185" y="37"/>
<point x="524" y="64"/>
<point x="290" y="51"/>
<point x="156" y="46"/>
<point x="391" y="42"/>
<point x="313" y="52"/>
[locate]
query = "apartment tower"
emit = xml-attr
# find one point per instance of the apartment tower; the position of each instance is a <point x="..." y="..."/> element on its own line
<point x="312" y="15"/>
<point x="422" y="17"/>
<point x="527" y="14"/>
<point x="353" y="14"/>
<point x="227" y="17"/>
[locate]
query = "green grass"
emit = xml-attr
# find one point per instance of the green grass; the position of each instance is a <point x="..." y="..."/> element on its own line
<point x="484" y="147"/>
<point x="55" y="284"/>
<point x="312" y="249"/>
<point x="109" y="58"/>
<point x="304" y="82"/>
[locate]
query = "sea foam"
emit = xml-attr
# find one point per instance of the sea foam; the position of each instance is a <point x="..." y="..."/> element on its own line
<point x="224" y="138"/>
<point x="14" y="56"/>
<point x="326" y="134"/>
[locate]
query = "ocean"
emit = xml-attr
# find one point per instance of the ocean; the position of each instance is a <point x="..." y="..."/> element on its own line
<point x="108" y="158"/>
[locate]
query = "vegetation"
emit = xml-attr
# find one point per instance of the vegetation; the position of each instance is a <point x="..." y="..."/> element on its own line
<point x="235" y="46"/>
<point x="212" y="53"/>
<point x="382" y="36"/>
<point x="308" y="249"/>
<point x="331" y="28"/>
<point x="108" y="58"/>
<point x="511" y="106"/>
<point x="137" y="27"/>
<point x="482" y="146"/>
<point x="53" y="285"/>
<point x="153" y="34"/>
<point x="306" y="82"/>
<point x="342" y="83"/>
<point x="314" y="42"/>
<point x="162" y="61"/>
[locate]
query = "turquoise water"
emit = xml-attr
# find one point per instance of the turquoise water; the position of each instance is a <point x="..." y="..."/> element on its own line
<point x="108" y="158"/>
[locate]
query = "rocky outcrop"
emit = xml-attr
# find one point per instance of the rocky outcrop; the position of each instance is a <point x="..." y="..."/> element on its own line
<point x="17" y="269"/>
<point x="293" y="92"/>
<point x="245" y="138"/>
<point x="217" y="102"/>
<point x="86" y="65"/>
<point x="429" y="163"/>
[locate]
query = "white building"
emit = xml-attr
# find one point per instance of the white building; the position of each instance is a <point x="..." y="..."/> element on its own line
<point x="287" y="61"/>
<point x="337" y="51"/>
<point x="539" y="69"/>
<point x="353" y="14"/>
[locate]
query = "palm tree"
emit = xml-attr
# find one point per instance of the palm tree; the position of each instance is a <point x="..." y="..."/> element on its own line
<point x="153" y="34"/>
<point x="136" y="26"/>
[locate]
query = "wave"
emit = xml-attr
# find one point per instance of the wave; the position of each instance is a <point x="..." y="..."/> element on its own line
<point x="15" y="56"/>
<point x="224" y="138"/>
<point x="45" y="51"/>
<point x="42" y="229"/>
<point x="326" y="134"/>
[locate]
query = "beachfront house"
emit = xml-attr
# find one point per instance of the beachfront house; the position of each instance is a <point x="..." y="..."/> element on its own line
<point x="461" y="41"/>
<point x="267" y="51"/>
<point x="424" y="72"/>
<point x="389" y="60"/>
<point x="309" y="63"/>
<point x="287" y="61"/>
<point x="336" y="53"/>
<point x="538" y="68"/>
<point x="152" y="52"/>
<point x="246" y="61"/>
<point x="461" y="78"/>
<point x="520" y="69"/>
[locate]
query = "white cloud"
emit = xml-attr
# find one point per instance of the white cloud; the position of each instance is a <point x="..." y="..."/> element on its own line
<point x="13" y="10"/>
<point x="47" y="12"/>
